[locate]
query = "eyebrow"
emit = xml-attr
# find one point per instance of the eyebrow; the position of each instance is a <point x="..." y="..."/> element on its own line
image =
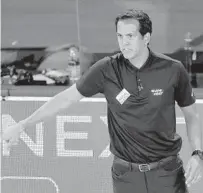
<point x="127" y="33"/>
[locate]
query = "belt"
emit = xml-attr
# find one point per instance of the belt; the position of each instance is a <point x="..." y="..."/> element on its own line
<point x="146" y="166"/>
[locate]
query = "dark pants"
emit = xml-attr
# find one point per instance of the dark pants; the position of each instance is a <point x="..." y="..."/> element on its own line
<point x="168" y="178"/>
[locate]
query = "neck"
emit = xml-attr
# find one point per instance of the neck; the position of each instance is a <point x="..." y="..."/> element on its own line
<point x="139" y="61"/>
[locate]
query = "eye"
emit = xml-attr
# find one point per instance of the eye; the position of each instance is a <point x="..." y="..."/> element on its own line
<point x="119" y="35"/>
<point x="130" y="35"/>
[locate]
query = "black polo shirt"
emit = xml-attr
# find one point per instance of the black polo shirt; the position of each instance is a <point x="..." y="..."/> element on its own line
<point x="141" y="104"/>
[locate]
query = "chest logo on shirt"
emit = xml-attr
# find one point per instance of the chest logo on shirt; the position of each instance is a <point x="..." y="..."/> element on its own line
<point x="157" y="92"/>
<point x="122" y="96"/>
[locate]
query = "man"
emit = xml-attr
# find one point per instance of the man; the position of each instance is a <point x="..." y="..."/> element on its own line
<point x="141" y="88"/>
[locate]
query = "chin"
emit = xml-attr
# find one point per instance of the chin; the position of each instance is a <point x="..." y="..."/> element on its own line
<point x="129" y="56"/>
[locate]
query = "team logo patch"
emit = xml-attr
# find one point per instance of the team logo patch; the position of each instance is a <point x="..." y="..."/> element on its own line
<point x="157" y="92"/>
<point x="122" y="96"/>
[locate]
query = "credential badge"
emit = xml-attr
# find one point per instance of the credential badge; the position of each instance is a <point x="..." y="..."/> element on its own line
<point x="122" y="96"/>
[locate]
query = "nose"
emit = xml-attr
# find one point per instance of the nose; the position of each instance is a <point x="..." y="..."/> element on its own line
<point x="125" y="41"/>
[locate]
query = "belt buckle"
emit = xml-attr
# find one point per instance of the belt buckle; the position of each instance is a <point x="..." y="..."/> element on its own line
<point x="144" y="167"/>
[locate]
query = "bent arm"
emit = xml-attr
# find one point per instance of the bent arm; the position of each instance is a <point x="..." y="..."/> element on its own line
<point x="59" y="102"/>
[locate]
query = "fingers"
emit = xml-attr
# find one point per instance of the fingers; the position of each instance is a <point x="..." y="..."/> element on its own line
<point x="192" y="172"/>
<point x="190" y="178"/>
<point x="10" y="137"/>
<point x="188" y="169"/>
<point x="8" y="144"/>
<point x="7" y="147"/>
<point x="196" y="178"/>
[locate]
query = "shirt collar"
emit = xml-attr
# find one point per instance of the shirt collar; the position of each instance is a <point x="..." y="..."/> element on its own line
<point x="146" y="65"/>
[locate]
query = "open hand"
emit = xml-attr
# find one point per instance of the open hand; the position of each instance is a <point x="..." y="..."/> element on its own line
<point x="11" y="136"/>
<point x="193" y="170"/>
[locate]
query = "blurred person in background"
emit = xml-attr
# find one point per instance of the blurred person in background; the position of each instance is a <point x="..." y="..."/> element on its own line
<point x="66" y="55"/>
<point x="141" y="88"/>
<point x="69" y="58"/>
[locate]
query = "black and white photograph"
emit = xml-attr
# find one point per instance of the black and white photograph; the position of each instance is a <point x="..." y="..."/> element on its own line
<point x="101" y="96"/>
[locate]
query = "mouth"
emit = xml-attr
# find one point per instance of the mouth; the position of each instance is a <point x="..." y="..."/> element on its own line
<point x="126" y="50"/>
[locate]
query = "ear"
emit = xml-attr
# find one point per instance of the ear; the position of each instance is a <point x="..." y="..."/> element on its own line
<point x="147" y="37"/>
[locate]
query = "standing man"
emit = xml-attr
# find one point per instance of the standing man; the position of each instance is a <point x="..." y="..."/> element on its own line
<point x="141" y="88"/>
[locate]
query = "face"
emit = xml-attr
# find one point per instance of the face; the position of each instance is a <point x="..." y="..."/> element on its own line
<point x="130" y="41"/>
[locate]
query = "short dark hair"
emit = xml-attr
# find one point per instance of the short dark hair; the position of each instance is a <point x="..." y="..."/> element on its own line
<point x="143" y="19"/>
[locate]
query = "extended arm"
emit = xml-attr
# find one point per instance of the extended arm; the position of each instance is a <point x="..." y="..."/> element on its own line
<point x="59" y="102"/>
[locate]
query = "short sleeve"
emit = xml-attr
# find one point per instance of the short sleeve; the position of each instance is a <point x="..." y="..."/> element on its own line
<point x="92" y="81"/>
<point x="183" y="92"/>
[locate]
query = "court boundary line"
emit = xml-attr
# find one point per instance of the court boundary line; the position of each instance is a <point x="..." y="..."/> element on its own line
<point x="44" y="99"/>
<point x="31" y="178"/>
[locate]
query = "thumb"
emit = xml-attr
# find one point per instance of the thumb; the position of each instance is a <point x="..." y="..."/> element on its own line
<point x="15" y="141"/>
